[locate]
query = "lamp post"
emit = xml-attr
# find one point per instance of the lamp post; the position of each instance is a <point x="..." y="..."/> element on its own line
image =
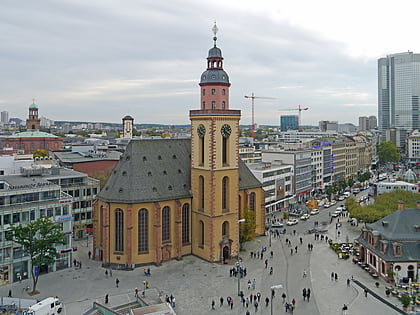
<point x="269" y="232"/>
<point x="238" y="262"/>
<point x="144" y="288"/>
<point x="274" y="287"/>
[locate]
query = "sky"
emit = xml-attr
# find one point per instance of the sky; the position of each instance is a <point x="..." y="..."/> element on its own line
<point x="100" y="60"/>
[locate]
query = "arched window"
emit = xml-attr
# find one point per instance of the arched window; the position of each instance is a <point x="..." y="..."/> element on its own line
<point x="166" y="227"/>
<point x="143" y="231"/>
<point x="119" y="230"/>
<point x="252" y="201"/>
<point x="225" y="192"/>
<point x="204" y="91"/>
<point x="225" y="143"/>
<point x="213" y="105"/>
<point x="201" y="191"/>
<point x="223" y="104"/>
<point x="225" y="229"/>
<point x="201" y="226"/>
<point x="185" y="223"/>
<point x="223" y="91"/>
<point x="201" y="148"/>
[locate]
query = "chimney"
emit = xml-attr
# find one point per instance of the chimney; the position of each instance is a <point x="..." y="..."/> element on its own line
<point x="418" y="204"/>
<point x="400" y="205"/>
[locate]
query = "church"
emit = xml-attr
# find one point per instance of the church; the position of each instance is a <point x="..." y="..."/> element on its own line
<point x="167" y="198"/>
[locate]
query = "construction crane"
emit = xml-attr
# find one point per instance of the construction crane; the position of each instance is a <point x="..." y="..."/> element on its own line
<point x="300" y="109"/>
<point x="252" y="97"/>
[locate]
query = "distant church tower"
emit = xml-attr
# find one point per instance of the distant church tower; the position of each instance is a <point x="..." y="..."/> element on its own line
<point x="33" y="122"/>
<point x="214" y="165"/>
<point x="128" y="124"/>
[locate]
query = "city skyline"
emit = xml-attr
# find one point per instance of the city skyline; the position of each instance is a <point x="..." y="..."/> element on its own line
<point x="103" y="61"/>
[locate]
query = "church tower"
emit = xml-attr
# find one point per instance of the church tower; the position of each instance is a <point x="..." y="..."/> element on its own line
<point x="128" y="123"/>
<point x="33" y="122"/>
<point x="215" y="165"/>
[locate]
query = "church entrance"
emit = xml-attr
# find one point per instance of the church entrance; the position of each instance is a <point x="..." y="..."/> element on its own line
<point x="226" y="251"/>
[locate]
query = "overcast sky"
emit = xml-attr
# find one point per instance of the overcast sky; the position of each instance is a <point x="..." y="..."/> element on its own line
<point x="100" y="60"/>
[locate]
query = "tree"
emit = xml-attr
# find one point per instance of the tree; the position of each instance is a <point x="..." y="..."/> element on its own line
<point x="387" y="152"/>
<point x="247" y="228"/>
<point x="38" y="239"/>
<point x="40" y="153"/>
<point x="102" y="176"/>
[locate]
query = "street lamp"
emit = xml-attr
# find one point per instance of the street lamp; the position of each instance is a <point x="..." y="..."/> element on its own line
<point x="144" y="288"/>
<point x="238" y="262"/>
<point x="274" y="287"/>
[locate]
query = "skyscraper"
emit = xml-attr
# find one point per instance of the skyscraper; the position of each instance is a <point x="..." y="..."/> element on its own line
<point x="399" y="91"/>
<point x="289" y="122"/>
<point x="4" y="117"/>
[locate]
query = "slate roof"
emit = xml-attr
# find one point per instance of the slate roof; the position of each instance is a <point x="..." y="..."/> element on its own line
<point x="402" y="227"/>
<point x="153" y="170"/>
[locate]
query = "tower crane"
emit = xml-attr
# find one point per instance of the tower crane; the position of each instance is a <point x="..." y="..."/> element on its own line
<point x="300" y="109"/>
<point x="252" y="97"/>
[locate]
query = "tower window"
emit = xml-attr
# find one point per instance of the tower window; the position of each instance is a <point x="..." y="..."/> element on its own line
<point x="223" y="105"/>
<point x="119" y="230"/>
<point x="204" y="91"/>
<point x="225" y="147"/>
<point x="143" y="231"/>
<point x="166" y="228"/>
<point x="204" y="105"/>
<point x="225" y="193"/>
<point x="185" y="223"/>
<point x="213" y="105"/>
<point x="223" y="91"/>
<point x="213" y="91"/>
<point x="225" y="229"/>
<point x="201" y="191"/>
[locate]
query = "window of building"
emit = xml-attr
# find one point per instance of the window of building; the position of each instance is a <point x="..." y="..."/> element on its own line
<point x="201" y="225"/>
<point x="76" y="217"/>
<point x="204" y="91"/>
<point x="252" y="201"/>
<point x="225" y="193"/>
<point x="50" y="212"/>
<point x="223" y="104"/>
<point x="201" y="188"/>
<point x="166" y="227"/>
<point x="225" y="229"/>
<point x="213" y="91"/>
<point x="119" y="230"/>
<point x="185" y="224"/>
<point x="32" y="215"/>
<point x="225" y="148"/>
<point x="42" y="213"/>
<point x="223" y="91"/>
<point x="213" y="105"/>
<point x="143" y="233"/>
<point x="16" y="217"/>
<point x="65" y="210"/>
<point x="203" y="106"/>
<point x="89" y="215"/>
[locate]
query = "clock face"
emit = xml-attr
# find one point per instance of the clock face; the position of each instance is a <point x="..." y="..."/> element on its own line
<point x="226" y="130"/>
<point x="201" y="130"/>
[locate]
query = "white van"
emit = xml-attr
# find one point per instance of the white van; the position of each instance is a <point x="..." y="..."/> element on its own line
<point x="48" y="306"/>
<point x="346" y="194"/>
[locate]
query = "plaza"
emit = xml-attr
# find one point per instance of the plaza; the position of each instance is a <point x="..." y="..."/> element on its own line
<point x="195" y="283"/>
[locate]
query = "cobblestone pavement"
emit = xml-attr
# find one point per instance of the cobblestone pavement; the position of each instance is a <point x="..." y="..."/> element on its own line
<point x="195" y="283"/>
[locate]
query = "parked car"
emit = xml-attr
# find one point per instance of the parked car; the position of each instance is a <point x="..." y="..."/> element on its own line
<point x="335" y="214"/>
<point x="341" y="198"/>
<point x="292" y="222"/>
<point x="305" y="217"/>
<point x="277" y="225"/>
<point x="327" y="205"/>
<point x="315" y="211"/>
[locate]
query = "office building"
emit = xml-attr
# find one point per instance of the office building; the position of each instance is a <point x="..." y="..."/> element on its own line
<point x="4" y="117"/>
<point x="398" y="93"/>
<point x="289" y="122"/>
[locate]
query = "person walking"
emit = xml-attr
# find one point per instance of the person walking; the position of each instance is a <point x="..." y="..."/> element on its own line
<point x="296" y="249"/>
<point x="110" y="272"/>
<point x="221" y="301"/>
<point x="267" y="300"/>
<point x="283" y="297"/>
<point x="271" y="270"/>
<point x="10" y="293"/>
<point x="136" y="292"/>
<point x="89" y="254"/>
<point x="106" y="273"/>
<point x="117" y="282"/>
<point x="231" y="304"/>
<point x="173" y="302"/>
<point x="345" y="308"/>
<point x="335" y="276"/>
<point x="266" y="263"/>
<point x="348" y="282"/>
<point x="293" y="303"/>
<point x="106" y="299"/>
<point x="332" y="276"/>
<point x="308" y="294"/>
<point x="304" y="273"/>
<point x="301" y="240"/>
<point x="304" y="294"/>
<point x="212" y="305"/>
<point x="366" y="291"/>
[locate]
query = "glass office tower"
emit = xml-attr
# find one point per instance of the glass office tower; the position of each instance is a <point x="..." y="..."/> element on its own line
<point x="398" y="91"/>
<point x="289" y="122"/>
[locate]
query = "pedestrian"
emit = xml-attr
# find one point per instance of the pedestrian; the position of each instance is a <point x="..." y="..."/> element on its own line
<point x="291" y="251"/>
<point x="294" y="232"/>
<point x="271" y="270"/>
<point x="80" y="264"/>
<point x="117" y="282"/>
<point x="296" y="249"/>
<point x="212" y="305"/>
<point x="136" y="292"/>
<point x="284" y="297"/>
<point x="366" y="291"/>
<point x="106" y="299"/>
<point x="332" y="276"/>
<point x="309" y="246"/>
<point x="345" y="308"/>
<point x="254" y="283"/>
<point x="304" y="273"/>
<point x="249" y="284"/>
<point x="348" y="282"/>
<point x="74" y="262"/>
<point x="326" y="238"/>
<point x="266" y="263"/>
<point x="304" y="294"/>
<point x="247" y="302"/>
<point x="110" y="272"/>
<point x="335" y="276"/>
<point x="261" y="256"/>
<point x="293" y="303"/>
<point x="256" y="306"/>
<point x="231" y="303"/>
<point x="173" y="302"/>
<point x="267" y="300"/>
<point x="106" y="273"/>
<point x="89" y="254"/>
<point x="308" y="294"/>
<point x="247" y="313"/>
<point x="10" y="293"/>
<point x="245" y="272"/>
<point x="221" y="301"/>
<point x="301" y="240"/>
<point x="259" y="296"/>
<point x="271" y="254"/>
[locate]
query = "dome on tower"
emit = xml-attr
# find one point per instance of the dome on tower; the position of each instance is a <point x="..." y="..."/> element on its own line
<point x="214" y="76"/>
<point x="33" y="106"/>
<point x="215" y="52"/>
<point x="128" y="117"/>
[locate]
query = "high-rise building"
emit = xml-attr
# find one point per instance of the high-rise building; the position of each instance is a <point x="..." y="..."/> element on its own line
<point x="289" y="122"/>
<point x="399" y="91"/>
<point x="373" y="122"/>
<point x="363" y="123"/>
<point x="4" y="117"/>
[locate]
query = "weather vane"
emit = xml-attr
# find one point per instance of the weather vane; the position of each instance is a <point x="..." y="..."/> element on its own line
<point x="215" y="29"/>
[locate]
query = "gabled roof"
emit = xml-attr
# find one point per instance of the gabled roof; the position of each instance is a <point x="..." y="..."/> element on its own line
<point x="153" y="170"/>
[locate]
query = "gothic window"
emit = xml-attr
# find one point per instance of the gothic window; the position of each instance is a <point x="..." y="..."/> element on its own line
<point x="225" y="192"/>
<point x="201" y="191"/>
<point x="143" y="231"/>
<point x="225" y="142"/>
<point x="201" y="148"/>
<point x="185" y="223"/>
<point x="225" y="229"/>
<point x="252" y="201"/>
<point x="201" y="225"/>
<point x="119" y="230"/>
<point x="213" y="105"/>
<point x="166" y="228"/>
<point x="223" y="105"/>
<point x="223" y="91"/>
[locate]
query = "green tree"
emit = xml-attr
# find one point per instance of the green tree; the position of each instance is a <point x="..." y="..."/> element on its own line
<point x="387" y="152"/>
<point x="247" y="228"/>
<point x="38" y="239"/>
<point x="40" y="153"/>
<point x="102" y="176"/>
